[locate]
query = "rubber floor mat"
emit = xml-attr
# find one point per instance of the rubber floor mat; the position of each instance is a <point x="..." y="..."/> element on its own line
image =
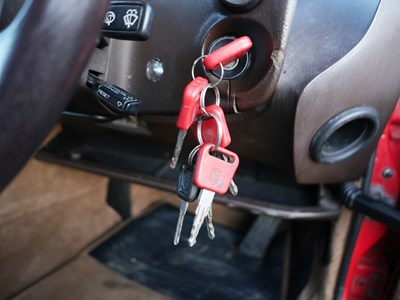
<point x="143" y="251"/>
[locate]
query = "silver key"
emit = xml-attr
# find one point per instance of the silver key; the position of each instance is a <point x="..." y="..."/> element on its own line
<point x="178" y="148"/>
<point x="183" y="206"/>
<point x="206" y="198"/>
<point x="210" y="226"/>
<point x="233" y="188"/>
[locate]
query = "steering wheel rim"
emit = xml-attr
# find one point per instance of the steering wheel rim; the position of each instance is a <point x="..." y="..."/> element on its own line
<point x="42" y="54"/>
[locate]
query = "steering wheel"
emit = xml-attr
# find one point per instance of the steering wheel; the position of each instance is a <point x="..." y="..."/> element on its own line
<point x="42" y="54"/>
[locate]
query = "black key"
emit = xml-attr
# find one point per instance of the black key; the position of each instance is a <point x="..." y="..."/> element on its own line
<point x="185" y="188"/>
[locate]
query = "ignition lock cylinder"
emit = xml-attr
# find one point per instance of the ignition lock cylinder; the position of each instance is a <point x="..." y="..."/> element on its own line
<point x="238" y="65"/>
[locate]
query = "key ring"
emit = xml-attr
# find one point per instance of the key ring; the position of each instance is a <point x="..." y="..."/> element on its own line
<point x="219" y="131"/>
<point x="235" y="106"/>
<point x="192" y="154"/>
<point x="213" y="85"/>
<point x="203" y="98"/>
<point x="198" y="131"/>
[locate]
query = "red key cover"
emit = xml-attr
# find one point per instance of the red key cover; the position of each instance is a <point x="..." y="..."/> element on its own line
<point x="212" y="173"/>
<point x="209" y="128"/>
<point x="228" y="53"/>
<point x="190" y="103"/>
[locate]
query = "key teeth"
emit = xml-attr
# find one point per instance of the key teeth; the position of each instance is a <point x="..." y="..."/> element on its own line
<point x="183" y="206"/>
<point x="210" y="226"/>
<point x="176" y="240"/>
<point x="212" y="233"/>
<point x="173" y="163"/>
<point x="234" y="191"/>
<point x="191" y="241"/>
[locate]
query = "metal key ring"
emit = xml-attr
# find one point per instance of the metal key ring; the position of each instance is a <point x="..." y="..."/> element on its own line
<point x="235" y="106"/>
<point x="199" y="135"/>
<point x="195" y="63"/>
<point x="213" y="85"/>
<point x="222" y="70"/>
<point x="219" y="131"/>
<point x="192" y="154"/>
<point x="203" y="97"/>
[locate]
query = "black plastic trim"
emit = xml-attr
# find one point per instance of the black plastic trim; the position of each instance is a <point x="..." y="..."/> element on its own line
<point x="352" y="236"/>
<point x="331" y="144"/>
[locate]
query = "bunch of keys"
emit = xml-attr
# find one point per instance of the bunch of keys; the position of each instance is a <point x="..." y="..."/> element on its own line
<point x="191" y="95"/>
<point x="210" y="167"/>
<point x="209" y="170"/>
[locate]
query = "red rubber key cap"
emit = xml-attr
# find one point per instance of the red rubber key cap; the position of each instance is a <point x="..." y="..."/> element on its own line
<point x="190" y="103"/>
<point x="209" y="127"/>
<point x="189" y="109"/>
<point x="228" y="53"/>
<point x="212" y="173"/>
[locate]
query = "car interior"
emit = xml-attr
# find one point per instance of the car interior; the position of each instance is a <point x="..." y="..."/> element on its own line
<point x="125" y="125"/>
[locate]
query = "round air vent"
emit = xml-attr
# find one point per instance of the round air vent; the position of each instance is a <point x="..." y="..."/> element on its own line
<point x="344" y="135"/>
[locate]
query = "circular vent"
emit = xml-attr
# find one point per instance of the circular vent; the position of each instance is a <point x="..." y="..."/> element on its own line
<point x="344" y="135"/>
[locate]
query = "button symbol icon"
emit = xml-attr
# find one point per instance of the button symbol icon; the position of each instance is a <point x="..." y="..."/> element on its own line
<point x="131" y="17"/>
<point x="109" y="18"/>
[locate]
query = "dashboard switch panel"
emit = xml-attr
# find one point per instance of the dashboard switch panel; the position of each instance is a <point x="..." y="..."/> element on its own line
<point x="128" y="20"/>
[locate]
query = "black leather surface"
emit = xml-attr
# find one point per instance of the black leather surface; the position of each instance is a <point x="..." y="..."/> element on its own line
<point x="42" y="54"/>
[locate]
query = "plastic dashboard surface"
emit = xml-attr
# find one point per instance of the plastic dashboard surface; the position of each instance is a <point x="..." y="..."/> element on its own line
<point x="294" y="44"/>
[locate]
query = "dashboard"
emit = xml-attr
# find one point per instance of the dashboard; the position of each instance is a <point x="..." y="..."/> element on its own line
<point x="311" y="97"/>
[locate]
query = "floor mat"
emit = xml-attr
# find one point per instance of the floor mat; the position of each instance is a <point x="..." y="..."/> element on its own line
<point x="85" y="279"/>
<point x="143" y="251"/>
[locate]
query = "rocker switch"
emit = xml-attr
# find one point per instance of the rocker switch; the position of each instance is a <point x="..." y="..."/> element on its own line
<point x="128" y="20"/>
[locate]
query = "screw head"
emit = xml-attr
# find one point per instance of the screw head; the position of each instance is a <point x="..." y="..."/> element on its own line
<point x="154" y="69"/>
<point x="387" y="173"/>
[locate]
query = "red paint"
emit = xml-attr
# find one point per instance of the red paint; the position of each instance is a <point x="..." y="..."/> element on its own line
<point x="368" y="268"/>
